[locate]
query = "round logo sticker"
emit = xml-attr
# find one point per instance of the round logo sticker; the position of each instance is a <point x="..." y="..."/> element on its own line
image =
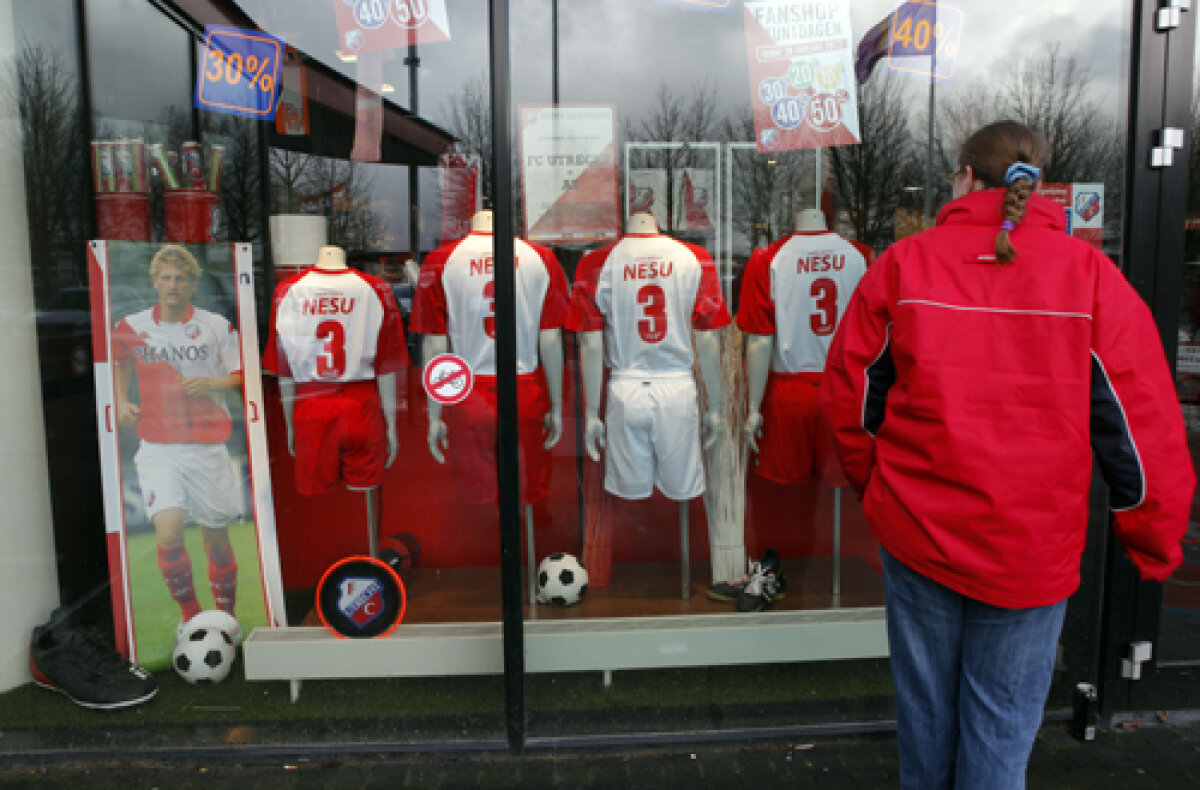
<point x="448" y="378"/>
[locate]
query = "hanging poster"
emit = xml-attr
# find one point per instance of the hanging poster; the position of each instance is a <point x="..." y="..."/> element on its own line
<point x="188" y="510"/>
<point x="648" y="194"/>
<point x="462" y="194"/>
<point x="292" y="116"/>
<point x="373" y="25"/>
<point x="694" y="200"/>
<point x="801" y="74"/>
<point x="1084" y="206"/>
<point x="569" y="171"/>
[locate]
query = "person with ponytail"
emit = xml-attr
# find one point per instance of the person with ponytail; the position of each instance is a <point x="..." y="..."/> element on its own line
<point x="978" y="370"/>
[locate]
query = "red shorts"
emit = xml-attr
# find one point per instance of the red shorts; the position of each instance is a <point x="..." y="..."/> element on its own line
<point x="340" y="436"/>
<point x="471" y="428"/>
<point x="796" y="442"/>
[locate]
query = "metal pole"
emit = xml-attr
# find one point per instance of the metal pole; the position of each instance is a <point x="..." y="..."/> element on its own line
<point x="414" y="183"/>
<point x="507" y="479"/>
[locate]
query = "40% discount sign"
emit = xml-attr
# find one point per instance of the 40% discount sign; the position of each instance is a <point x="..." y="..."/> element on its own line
<point x="924" y="37"/>
<point x="240" y="72"/>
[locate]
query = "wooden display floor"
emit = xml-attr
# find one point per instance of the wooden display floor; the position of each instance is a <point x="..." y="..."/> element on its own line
<point x="472" y="595"/>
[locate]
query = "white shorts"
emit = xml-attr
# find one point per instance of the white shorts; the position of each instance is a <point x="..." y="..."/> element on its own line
<point x="199" y="479"/>
<point x="652" y="437"/>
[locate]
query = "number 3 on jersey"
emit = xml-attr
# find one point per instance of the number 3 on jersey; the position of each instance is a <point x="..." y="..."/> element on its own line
<point x="331" y="362"/>
<point x="825" y="320"/>
<point x="652" y="298"/>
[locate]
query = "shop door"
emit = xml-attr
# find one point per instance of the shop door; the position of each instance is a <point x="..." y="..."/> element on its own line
<point x="1151" y="657"/>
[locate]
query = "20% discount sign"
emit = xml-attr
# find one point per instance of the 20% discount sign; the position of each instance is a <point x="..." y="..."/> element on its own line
<point x="240" y="72"/>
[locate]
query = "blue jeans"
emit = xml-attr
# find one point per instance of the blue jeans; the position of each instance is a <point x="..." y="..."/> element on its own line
<point x="971" y="682"/>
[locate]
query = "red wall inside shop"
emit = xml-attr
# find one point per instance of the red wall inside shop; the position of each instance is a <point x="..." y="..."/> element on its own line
<point x="418" y="496"/>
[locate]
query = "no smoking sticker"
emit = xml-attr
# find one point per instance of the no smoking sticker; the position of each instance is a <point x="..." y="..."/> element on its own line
<point x="448" y="379"/>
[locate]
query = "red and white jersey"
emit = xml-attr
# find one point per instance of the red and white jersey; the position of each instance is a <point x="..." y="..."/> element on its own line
<point x="163" y="355"/>
<point x="648" y="292"/>
<point x="797" y="289"/>
<point x="456" y="297"/>
<point x="335" y="326"/>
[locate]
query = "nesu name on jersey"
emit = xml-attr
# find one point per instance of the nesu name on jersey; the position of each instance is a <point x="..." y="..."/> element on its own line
<point x="648" y="269"/>
<point x="332" y="304"/>
<point x="820" y="262"/>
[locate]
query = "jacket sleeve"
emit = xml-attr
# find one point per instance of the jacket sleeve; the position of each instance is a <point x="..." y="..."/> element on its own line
<point x="858" y="375"/>
<point x="1137" y="428"/>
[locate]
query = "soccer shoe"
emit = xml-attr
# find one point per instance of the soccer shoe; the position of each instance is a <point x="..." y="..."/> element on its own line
<point x="81" y="663"/>
<point x="728" y="592"/>
<point x="766" y="585"/>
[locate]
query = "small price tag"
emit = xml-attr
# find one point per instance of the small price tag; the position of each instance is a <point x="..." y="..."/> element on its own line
<point x="239" y="74"/>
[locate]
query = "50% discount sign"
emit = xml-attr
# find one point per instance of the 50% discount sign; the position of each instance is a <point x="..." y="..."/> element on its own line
<point x="240" y="72"/>
<point x="924" y="37"/>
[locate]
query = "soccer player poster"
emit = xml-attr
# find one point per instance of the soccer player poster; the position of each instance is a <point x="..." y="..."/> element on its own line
<point x="802" y="83"/>
<point x="569" y="169"/>
<point x="188" y="511"/>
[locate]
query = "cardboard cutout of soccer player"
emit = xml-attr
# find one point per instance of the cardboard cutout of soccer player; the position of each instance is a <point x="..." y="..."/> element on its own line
<point x="639" y="305"/>
<point x="170" y="397"/>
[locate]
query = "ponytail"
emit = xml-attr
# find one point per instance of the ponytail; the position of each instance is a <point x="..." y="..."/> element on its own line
<point x="1020" y="179"/>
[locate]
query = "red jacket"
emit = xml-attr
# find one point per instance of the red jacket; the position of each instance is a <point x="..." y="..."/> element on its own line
<point x="967" y="399"/>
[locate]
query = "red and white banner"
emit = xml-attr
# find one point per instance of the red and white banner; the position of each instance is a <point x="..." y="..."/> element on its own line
<point x="801" y="74"/>
<point x="292" y="116"/>
<point x="569" y="169"/>
<point x="648" y="194"/>
<point x="462" y="194"/>
<point x="695" y="200"/>
<point x="373" y="25"/>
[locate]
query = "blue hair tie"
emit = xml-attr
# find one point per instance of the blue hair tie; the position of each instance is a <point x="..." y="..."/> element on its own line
<point x="1021" y="170"/>
<point x="1007" y="225"/>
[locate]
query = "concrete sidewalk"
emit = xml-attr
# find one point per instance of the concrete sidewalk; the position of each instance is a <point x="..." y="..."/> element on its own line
<point x="1128" y="757"/>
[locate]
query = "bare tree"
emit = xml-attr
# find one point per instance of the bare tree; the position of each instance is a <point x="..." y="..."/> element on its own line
<point x="869" y="179"/>
<point x="54" y="148"/>
<point x="241" y="179"/>
<point x="338" y="188"/>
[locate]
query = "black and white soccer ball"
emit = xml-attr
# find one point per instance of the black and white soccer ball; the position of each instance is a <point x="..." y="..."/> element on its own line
<point x="215" y="618"/>
<point x="561" y="580"/>
<point x="204" y="655"/>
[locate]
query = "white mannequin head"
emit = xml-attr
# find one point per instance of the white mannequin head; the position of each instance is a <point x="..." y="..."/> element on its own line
<point x="482" y="221"/>
<point x="810" y="219"/>
<point x="642" y="222"/>
<point x="331" y="258"/>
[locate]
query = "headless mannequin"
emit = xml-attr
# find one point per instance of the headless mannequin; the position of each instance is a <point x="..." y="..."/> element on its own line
<point x="708" y="355"/>
<point x="333" y="259"/>
<point x="550" y="355"/>
<point x="760" y="347"/>
<point x="591" y="362"/>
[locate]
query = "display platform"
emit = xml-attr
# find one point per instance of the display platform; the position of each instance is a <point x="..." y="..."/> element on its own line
<point x="639" y="622"/>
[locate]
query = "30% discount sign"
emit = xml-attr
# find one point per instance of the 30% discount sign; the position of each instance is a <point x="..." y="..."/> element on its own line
<point x="927" y="30"/>
<point x="240" y="72"/>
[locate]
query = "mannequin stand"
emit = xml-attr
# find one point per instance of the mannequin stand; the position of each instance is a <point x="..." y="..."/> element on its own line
<point x="837" y="543"/>
<point x="372" y="499"/>
<point x="532" y="561"/>
<point x="685" y="570"/>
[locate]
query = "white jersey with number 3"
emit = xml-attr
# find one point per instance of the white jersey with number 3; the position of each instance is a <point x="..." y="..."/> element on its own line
<point x="456" y="297"/>
<point x="797" y="290"/>
<point x="647" y="293"/>
<point x="335" y="326"/>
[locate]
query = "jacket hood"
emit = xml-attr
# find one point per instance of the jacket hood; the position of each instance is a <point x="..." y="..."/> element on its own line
<point x="983" y="208"/>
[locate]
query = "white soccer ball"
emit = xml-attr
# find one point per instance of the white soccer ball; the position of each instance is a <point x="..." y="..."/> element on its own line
<point x="561" y="580"/>
<point x="215" y="618"/>
<point x="204" y="655"/>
